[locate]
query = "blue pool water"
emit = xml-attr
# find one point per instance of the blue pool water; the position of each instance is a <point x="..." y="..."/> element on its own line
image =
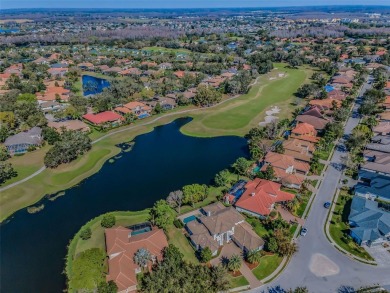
<point x="189" y="219"/>
<point x="329" y="88"/>
<point x="93" y="85"/>
<point x="143" y="116"/>
<point x="256" y="169"/>
<point x="146" y="229"/>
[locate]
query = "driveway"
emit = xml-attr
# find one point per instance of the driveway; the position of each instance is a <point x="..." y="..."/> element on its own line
<point x="227" y="251"/>
<point x="380" y="254"/>
<point x="318" y="265"/>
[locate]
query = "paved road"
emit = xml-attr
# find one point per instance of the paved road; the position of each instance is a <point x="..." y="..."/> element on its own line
<point x="318" y="265"/>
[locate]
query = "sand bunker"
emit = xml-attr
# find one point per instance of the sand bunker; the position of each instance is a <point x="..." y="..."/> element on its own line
<point x="270" y="116"/>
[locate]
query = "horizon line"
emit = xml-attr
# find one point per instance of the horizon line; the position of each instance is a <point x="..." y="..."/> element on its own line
<point x="201" y="7"/>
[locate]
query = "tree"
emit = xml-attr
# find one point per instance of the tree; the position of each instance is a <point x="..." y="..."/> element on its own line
<point x="175" y="199"/>
<point x="253" y="256"/>
<point x="161" y="214"/>
<point x="51" y="135"/>
<point x="6" y="172"/>
<point x="194" y="193"/>
<point x="241" y="166"/>
<point x="206" y="96"/>
<point x="107" y="287"/>
<point x="220" y="279"/>
<point x="298" y="290"/>
<point x="206" y="254"/>
<point x="272" y="245"/>
<point x="108" y="221"/>
<point x="4" y="154"/>
<point x="222" y="178"/>
<point x="142" y="257"/>
<point x="268" y="174"/>
<point x="234" y="263"/>
<point x="86" y="233"/>
<point x="70" y="145"/>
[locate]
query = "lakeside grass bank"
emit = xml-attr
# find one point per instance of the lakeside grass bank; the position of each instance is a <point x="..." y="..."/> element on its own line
<point x="51" y="181"/>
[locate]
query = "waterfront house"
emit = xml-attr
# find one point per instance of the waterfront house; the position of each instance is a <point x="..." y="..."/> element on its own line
<point x="220" y="225"/>
<point x="107" y="118"/>
<point x="260" y="197"/>
<point x="121" y="245"/>
<point x="69" y="125"/>
<point x="22" y="141"/>
<point x="370" y="225"/>
<point x="139" y="109"/>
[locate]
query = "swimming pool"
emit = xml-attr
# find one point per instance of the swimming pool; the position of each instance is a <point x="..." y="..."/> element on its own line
<point x="143" y="116"/>
<point x="144" y="230"/>
<point x="189" y="219"/>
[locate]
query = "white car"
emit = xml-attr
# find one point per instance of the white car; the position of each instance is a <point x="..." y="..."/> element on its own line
<point x="303" y="231"/>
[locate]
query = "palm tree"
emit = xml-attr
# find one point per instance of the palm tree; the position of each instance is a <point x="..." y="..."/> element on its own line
<point x="234" y="263"/>
<point x="142" y="256"/>
<point x="253" y="256"/>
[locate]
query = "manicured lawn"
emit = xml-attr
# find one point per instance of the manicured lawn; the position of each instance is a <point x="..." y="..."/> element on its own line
<point x="304" y="200"/>
<point x="338" y="228"/>
<point x="268" y="264"/>
<point x="238" y="282"/>
<point x="324" y="154"/>
<point x="236" y="117"/>
<point x="166" y="50"/>
<point x="177" y="238"/>
<point x="257" y="226"/>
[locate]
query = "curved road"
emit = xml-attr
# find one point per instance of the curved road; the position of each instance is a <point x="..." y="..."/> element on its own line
<point x="318" y="265"/>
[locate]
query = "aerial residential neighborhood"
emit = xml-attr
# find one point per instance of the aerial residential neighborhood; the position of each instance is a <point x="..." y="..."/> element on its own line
<point x="194" y="147"/>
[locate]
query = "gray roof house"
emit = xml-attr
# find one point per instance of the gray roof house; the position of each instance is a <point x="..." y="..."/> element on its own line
<point x="376" y="161"/>
<point x="220" y="225"/>
<point x="20" y="143"/>
<point x="372" y="186"/>
<point x="369" y="224"/>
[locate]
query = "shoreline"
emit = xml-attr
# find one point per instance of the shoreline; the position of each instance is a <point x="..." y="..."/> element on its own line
<point x="105" y="148"/>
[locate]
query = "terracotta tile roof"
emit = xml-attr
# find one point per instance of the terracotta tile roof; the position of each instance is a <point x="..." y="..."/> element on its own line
<point x="51" y="93"/>
<point x="285" y="162"/>
<point x="325" y="104"/>
<point x="305" y="128"/>
<point x="337" y="95"/>
<point x="318" y="123"/>
<point x="103" y="117"/>
<point x="260" y="196"/>
<point x="121" y="247"/>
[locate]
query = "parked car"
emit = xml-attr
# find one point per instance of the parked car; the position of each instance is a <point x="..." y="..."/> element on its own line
<point x="303" y="231"/>
<point x="327" y="205"/>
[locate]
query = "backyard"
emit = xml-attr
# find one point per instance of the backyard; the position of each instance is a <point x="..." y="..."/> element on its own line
<point x="339" y="228"/>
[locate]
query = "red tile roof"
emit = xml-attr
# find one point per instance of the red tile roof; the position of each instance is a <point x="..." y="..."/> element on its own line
<point x="304" y="128"/>
<point x="260" y="196"/>
<point x="121" y="247"/>
<point x="104" y="117"/>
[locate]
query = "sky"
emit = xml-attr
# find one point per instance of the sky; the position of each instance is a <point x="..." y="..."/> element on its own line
<point x="7" y="4"/>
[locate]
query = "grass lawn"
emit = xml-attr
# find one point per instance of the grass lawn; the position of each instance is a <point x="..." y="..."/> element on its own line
<point x="77" y="246"/>
<point x="268" y="264"/>
<point x="237" y="116"/>
<point x="238" y="281"/>
<point x="249" y="108"/>
<point x="324" y="154"/>
<point x="177" y="238"/>
<point x="338" y="227"/>
<point x="304" y="200"/>
<point x="166" y="50"/>
<point x="257" y="226"/>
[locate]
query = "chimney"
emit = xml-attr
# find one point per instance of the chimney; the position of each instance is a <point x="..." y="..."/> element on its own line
<point x="253" y="193"/>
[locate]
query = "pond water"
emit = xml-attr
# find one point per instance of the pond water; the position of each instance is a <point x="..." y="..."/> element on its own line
<point x="93" y="85"/>
<point x="33" y="246"/>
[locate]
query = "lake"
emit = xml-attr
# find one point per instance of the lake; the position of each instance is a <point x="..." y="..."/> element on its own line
<point x="33" y="246"/>
<point x="93" y="85"/>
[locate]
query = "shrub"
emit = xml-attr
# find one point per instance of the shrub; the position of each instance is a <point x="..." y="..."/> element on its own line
<point x="178" y="224"/>
<point x="86" y="233"/>
<point x="108" y="221"/>
<point x="206" y="255"/>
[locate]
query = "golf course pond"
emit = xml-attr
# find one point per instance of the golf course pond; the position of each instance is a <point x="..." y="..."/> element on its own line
<point x="33" y="245"/>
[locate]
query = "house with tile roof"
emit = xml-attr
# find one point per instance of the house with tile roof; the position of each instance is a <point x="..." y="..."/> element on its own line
<point x="314" y="117"/>
<point x="370" y="225"/>
<point x="220" y="225"/>
<point x="289" y="171"/>
<point x="337" y="95"/>
<point x="305" y="131"/>
<point x="260" y="197"/>
<point x="122" y="245"/>
<point x="107" y="118"/>
<point x="299" y="149"/>
<point x="139" y="109"/>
